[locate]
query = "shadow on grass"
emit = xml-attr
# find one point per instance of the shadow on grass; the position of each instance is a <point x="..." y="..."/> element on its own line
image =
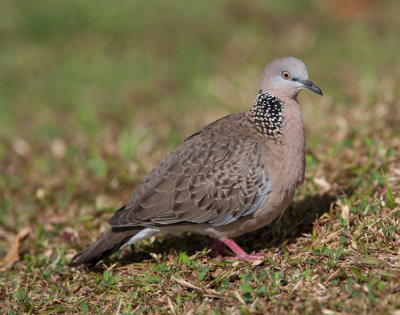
<point x="297" y="220"/>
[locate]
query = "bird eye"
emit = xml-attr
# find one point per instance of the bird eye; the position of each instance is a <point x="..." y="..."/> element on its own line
<point x="285" y="75"/>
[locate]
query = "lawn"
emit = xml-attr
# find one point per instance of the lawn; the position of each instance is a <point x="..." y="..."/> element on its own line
<point x="94" y="95"/>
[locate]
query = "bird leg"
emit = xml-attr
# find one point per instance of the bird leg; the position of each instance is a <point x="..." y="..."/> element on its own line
<point x="220" y="248"/>
<point x="240" y="253"/>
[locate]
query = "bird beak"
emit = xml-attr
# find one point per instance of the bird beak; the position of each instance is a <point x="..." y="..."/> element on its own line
<point x="311" y="86"/>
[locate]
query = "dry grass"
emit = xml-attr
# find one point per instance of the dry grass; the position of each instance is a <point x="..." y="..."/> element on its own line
<point x="335" y="250"/>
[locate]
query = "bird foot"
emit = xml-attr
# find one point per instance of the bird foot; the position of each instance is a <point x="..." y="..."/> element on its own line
<point x="240" y="253"/>
<point x="247" y="257"/>
<point x="219" y="247"/>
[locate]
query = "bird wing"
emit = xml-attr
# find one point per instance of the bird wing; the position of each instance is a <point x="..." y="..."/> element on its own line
<point x="212" y="177"/>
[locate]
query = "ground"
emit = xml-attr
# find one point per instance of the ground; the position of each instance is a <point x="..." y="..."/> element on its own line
<point x="93" y="97"/>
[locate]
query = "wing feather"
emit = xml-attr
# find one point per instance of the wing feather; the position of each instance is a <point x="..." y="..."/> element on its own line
<point x="213" y="177"/>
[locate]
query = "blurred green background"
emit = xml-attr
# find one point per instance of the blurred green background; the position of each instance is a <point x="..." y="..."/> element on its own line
<point x="95" y="93"/>
<point x="83" y="67"/>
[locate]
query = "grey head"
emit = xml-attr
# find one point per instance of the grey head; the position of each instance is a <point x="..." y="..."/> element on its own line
<point x="285" y="77"/>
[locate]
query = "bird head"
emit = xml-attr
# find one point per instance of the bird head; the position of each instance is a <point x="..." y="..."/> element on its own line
<point x="285" y="77"/>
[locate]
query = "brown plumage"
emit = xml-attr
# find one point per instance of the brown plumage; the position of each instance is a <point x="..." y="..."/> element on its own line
<point x="233" y="176"/>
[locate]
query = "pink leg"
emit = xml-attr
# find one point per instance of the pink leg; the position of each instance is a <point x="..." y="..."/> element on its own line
<point x="240" y="253"/>
<point x="219" y="247"/>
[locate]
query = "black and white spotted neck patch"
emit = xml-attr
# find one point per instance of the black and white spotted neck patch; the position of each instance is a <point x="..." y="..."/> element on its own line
<point x="267" y="115"/>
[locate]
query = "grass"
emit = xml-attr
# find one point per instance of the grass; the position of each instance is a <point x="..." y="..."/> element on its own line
<point x="91" y="98"/>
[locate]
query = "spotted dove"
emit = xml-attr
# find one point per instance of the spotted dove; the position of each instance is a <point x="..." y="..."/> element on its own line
<point x="233" y="176"/>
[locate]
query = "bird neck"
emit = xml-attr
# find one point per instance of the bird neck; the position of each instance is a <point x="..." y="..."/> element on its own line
<point x="267" y="114"/>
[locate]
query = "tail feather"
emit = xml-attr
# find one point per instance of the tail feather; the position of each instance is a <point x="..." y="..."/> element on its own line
<point x="106" y="245"/>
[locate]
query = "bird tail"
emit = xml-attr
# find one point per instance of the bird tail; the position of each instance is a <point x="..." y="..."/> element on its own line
<point x="106" y="245"/>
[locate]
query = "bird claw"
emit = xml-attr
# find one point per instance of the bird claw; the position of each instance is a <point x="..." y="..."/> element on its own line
<point x="240" y="253"/>
<point x="248" y="258"/>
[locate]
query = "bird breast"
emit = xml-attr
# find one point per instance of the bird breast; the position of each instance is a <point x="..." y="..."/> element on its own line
<point x="289" y="155"/>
